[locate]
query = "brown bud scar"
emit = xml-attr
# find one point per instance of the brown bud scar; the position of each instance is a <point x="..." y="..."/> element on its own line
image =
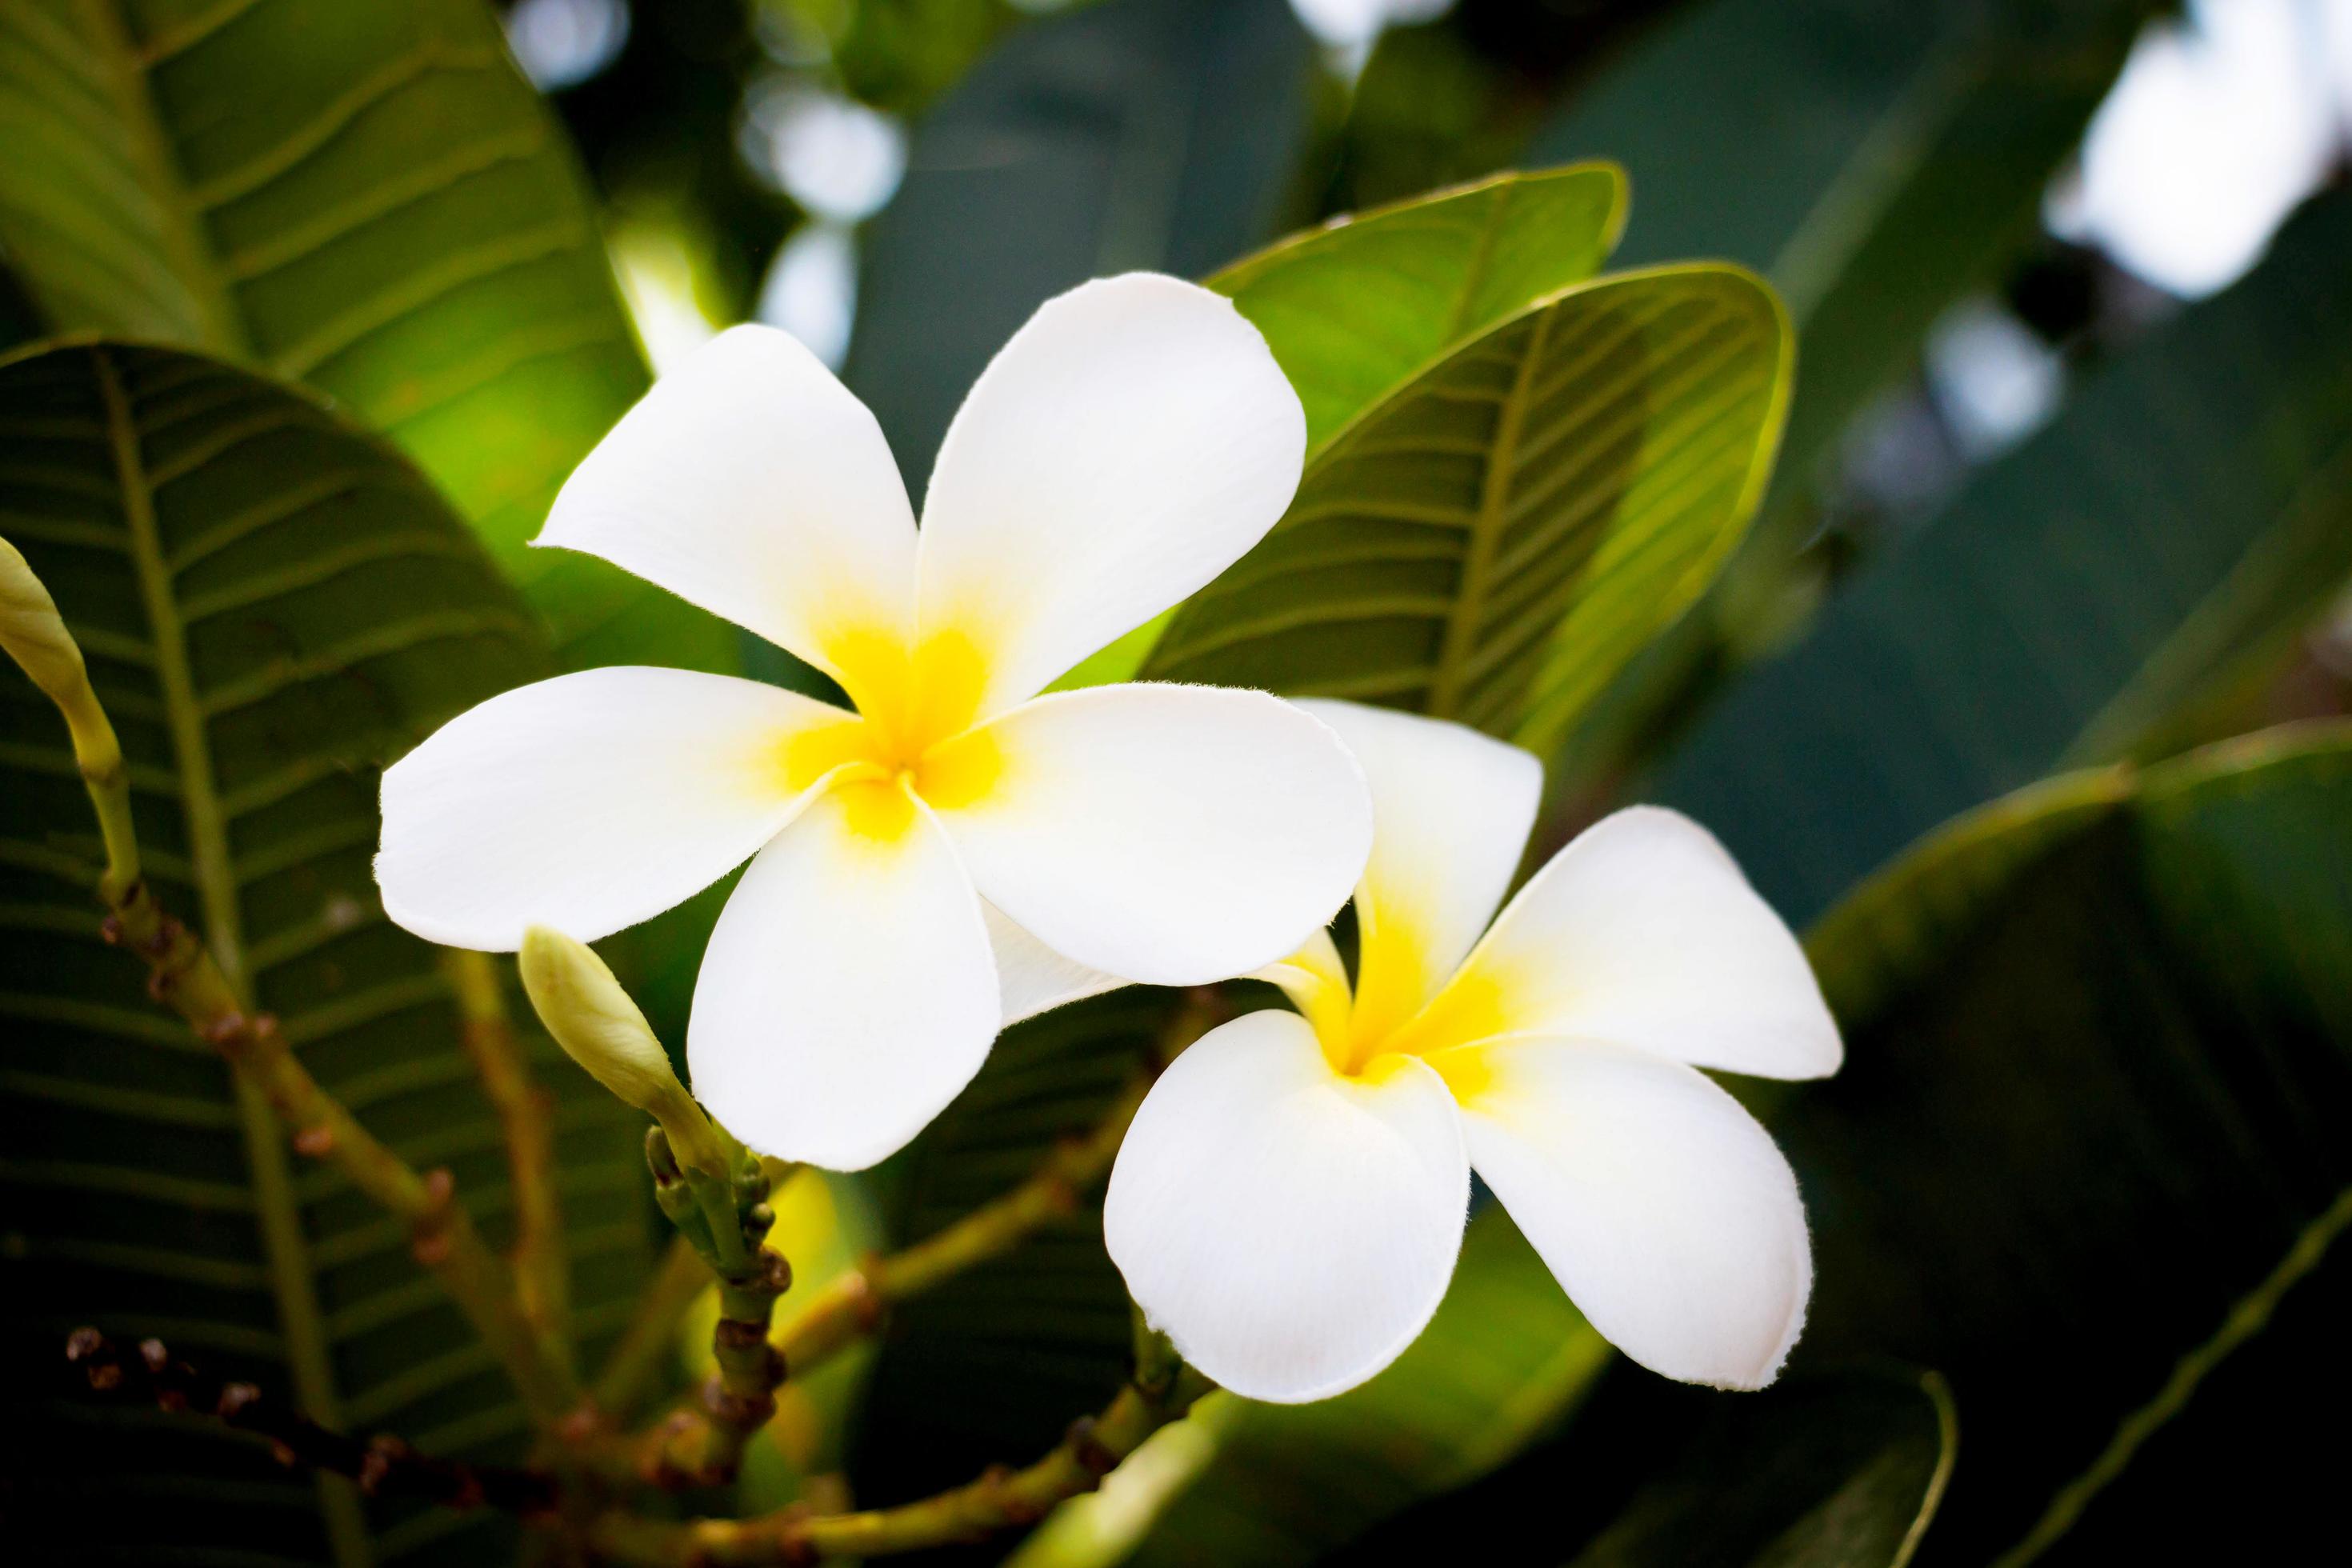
<point x="316" y="1142"/>
<point x="235" y="1398"/>
<point x="777" y="1270"/>
<point x="1088" y="1450"/>
<point x="733" y="1335"/>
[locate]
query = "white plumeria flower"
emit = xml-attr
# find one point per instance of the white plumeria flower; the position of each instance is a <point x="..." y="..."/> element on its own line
<point x="959" y="851"/>
<point x="1290" y="1199"/>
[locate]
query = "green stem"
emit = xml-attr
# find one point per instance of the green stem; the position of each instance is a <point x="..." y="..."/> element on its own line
<point x="1000" y="1498"/>
<point x="701" y="1442"/>
<point x="184" y="975"/>
<point x="527" y="1124"/>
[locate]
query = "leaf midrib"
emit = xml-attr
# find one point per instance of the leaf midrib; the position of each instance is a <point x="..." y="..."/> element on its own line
<point x="2248" y="1316"/>
<point x="1486" y="529"/>
<point x="301" y="1322"/>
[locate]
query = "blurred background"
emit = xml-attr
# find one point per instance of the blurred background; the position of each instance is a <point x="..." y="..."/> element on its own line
<point x="1970" y="205"/>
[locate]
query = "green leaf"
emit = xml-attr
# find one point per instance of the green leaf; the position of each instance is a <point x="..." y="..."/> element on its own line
<point x="1357" y="307"/>
<point x="272" y="604"/>
<point x="1495" y="538"/>
<point x="1242" y="1483"/>
<point x="1133" y="133"/>
<point x="361" y="194"/>
<point x="1875" y="161"/>
<point x="2088" y="1136"/>
<point x="2185" y="512"/>
<point x="1831" y="1472"/>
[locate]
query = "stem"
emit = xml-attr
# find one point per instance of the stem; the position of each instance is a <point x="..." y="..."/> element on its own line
<point x="643" y="1346"/>
<point x="383" y="1467"/>
<point x="701" y="1443"/>
<point x="855" y="1303"/>
<point x="526" y="1121"/>
<point x="183" y="976"/>
<point x="1159" y="1393"/>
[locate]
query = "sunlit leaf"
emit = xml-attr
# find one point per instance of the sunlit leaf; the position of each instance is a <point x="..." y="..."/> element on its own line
<point x="272" y="605"/>
<point x="361" y="194"/>
<point x="2187" y="512"/>
<point x="1494" y="539"/>
<point x="1355" y="307"/>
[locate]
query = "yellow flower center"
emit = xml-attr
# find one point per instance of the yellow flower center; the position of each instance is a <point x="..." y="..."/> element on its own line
<point x="911" y="735"/>
<point x="1386" y="1020"/>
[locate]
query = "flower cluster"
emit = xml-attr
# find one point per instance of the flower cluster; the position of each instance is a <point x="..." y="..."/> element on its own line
<point x="953" y="851"/>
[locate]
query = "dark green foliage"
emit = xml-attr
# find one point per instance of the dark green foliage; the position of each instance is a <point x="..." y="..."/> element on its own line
<point x="272" y="605"/>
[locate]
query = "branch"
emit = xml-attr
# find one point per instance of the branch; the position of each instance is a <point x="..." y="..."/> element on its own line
<point x="855" y="1303"/>
<point x="182" y="975"/>
<point x="383" y="1467"/>
<point x="1161" y="1392"/>
<point x="526" y="1121"/>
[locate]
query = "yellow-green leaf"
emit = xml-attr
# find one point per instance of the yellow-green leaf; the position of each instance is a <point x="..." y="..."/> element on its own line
<point x="361" y="194"/>
<point x="1354" y="308"/>
<point x="1493" y="539"/>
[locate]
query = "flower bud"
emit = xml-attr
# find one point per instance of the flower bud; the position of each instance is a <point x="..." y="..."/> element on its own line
<point x="33" y="631"/>
<point x="598" y="1025"/>
<point x="36" y="638"/>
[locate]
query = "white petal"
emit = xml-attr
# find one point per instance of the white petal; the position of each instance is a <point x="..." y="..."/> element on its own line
<point x="1172" y="835"/>
<point x="1451" y="811"/>
<point x="848" y="992"/>
<point x="1133" y="440"/>
<point x="587" y="803"/>
<point x="749" y="481"/>
<point x="1290" y="1229"/>
<point x="1643" y="931"/>
<point x="1666" y="1211"/>
<point x="1032" y="977"/>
